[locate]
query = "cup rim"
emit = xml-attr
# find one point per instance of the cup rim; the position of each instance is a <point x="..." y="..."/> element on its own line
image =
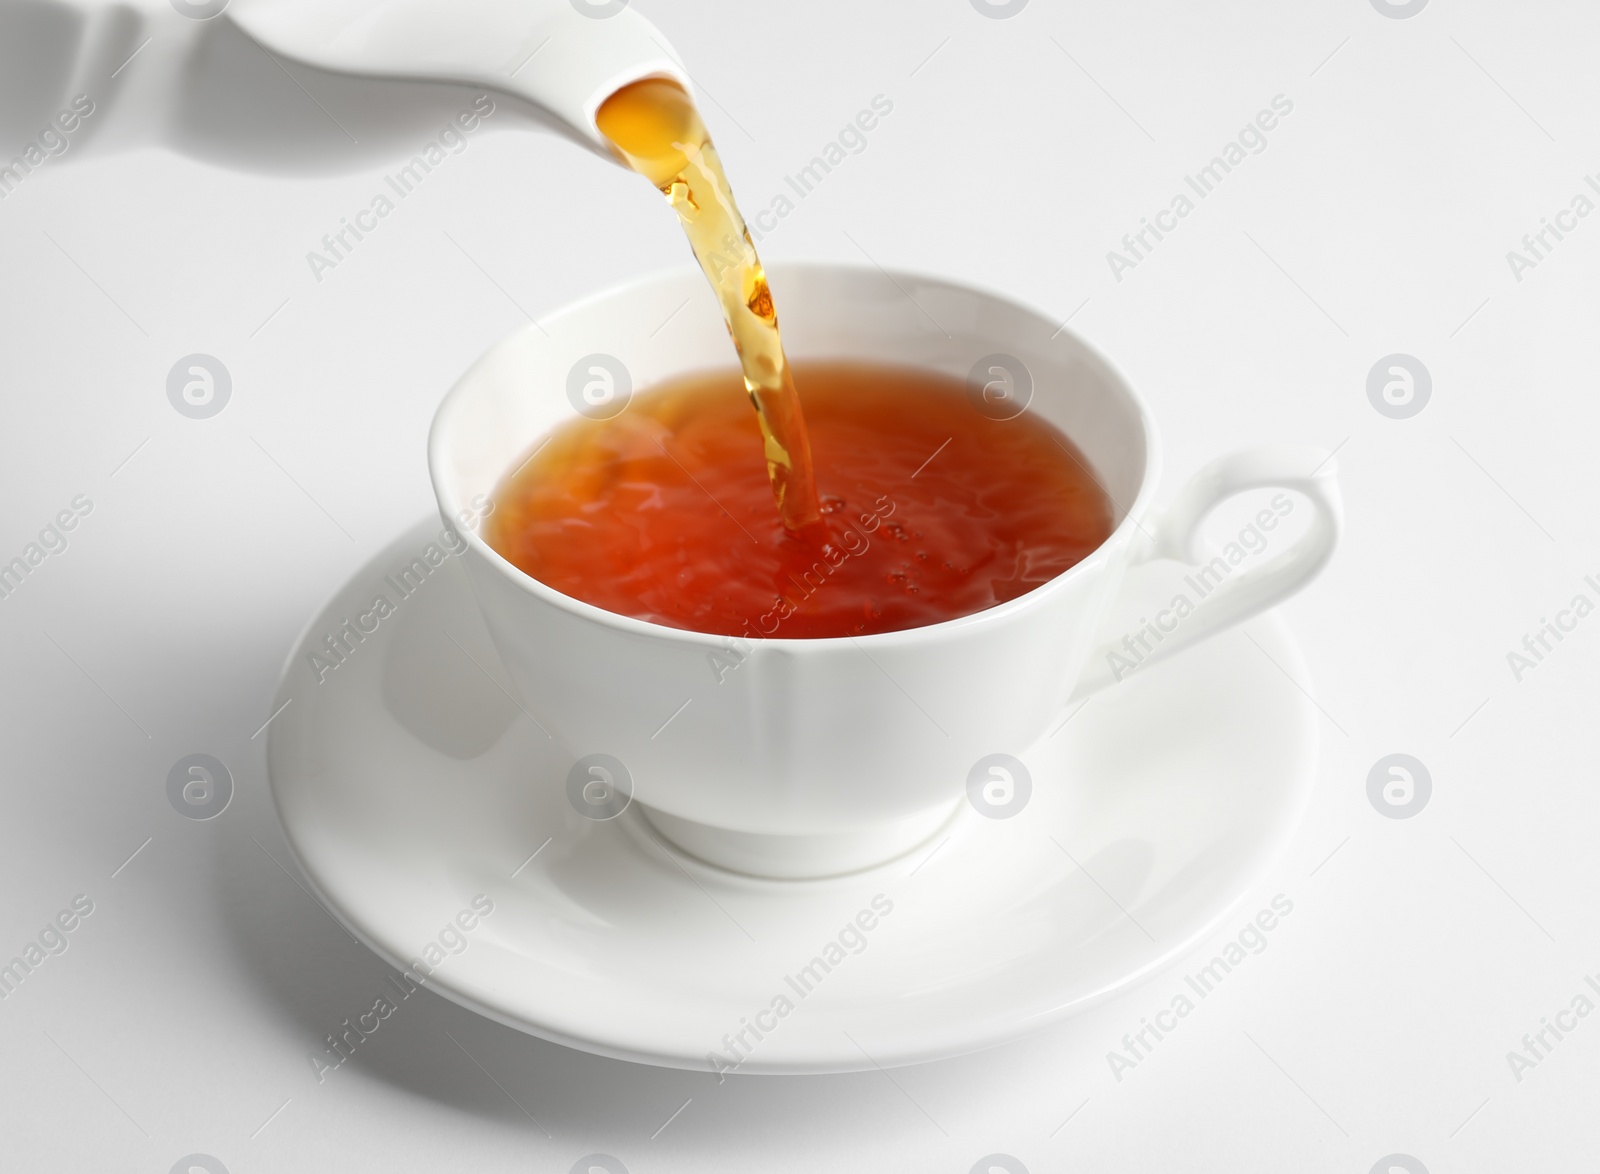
<point x="1121" y="534"/>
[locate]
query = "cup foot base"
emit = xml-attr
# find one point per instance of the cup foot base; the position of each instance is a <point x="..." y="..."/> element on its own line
<point x="780" y="857"/>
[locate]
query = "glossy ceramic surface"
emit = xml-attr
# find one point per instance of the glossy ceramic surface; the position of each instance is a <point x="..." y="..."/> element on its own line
<point x="411" y="781"/>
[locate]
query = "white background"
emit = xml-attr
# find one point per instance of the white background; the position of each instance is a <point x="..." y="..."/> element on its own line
<point x="1377" y="220"/>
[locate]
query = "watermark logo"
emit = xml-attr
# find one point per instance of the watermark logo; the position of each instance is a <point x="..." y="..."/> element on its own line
<point x="340" y="645"/>
<point x="1000" y="386"/>
<point x="1398" y="1163"/>
<point x="1139" y="245"/>
<point x="1399" y="386"/>
<point x="599" y="386"/>
<point x="54" y="140"/>
<point x="199" y="786"/>
<point x="199" y="386"/>
<point x="1399" y="786"/>
<point x="996" y="10"/>
<point x="1542" y="1041"/>
<point x="53" y="939"/>
<point x="1138" y="646"/>
<point x="450" y="941"/>
<point x="998" y="786"/>
<point x="1540" y="243"/>
<point x="1536" y="645"/>
<point x="197" y="1163"/>
<point x="597" y="1163"/>
<point x="200" y="10"/>
<point x="599" y="11"/>
<point x="52" y="540"/>
<point x="850" y="540"/>
<point x="739" y="1043"/>
<point x="341" y="1045"/>
<point x="1139" y="1045"/>
<point x="998" y="1163"/>
<point x="1399" y="10"/>
<point x="451" y="139"/>
<point x="599" y="787"/>
<point x="851" y="140"/>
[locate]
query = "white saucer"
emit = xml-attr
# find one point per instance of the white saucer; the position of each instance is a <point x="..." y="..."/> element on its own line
<point x="410" y="782"/>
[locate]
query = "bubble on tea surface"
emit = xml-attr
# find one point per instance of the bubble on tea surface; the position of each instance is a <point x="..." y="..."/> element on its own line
<point x="599" y="386"/>
<point x="599" y="787"/>
<point x="999" y="9"/>
<point x="1399" y="786"/>
<point x="998" y="786"/>
<point x="198" y="1164"/>
<point x="199" y="386"/>
<point x="1399" y="9"/>
<point x="599" y="10"/>
<point x="199" y="786"/>
<point x="1398" y="1164"/>
<point x="998" y="1164"/>
<point x="1000" y="386"/>
<point x="199" y="10"/>
<point x="598" y="1164"/>
<point x="1399" y="386"/>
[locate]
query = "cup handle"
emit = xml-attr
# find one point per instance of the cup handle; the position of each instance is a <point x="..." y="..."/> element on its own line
<point x="1230" y="599"/>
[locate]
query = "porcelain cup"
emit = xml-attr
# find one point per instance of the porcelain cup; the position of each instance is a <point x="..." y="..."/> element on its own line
<point x="792" y="758"/>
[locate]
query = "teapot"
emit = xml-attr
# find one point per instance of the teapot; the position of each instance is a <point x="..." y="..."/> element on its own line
<point x="304" y="85"/>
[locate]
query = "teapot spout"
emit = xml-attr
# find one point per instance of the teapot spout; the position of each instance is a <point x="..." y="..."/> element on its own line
<point x="564" y="56"/>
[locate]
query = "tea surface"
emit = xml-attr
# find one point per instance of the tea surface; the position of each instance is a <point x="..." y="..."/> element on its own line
<point x="931" y="509"/>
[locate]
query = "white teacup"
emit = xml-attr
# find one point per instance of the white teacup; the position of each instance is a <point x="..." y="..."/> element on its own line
<point x="797" y="758"/>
